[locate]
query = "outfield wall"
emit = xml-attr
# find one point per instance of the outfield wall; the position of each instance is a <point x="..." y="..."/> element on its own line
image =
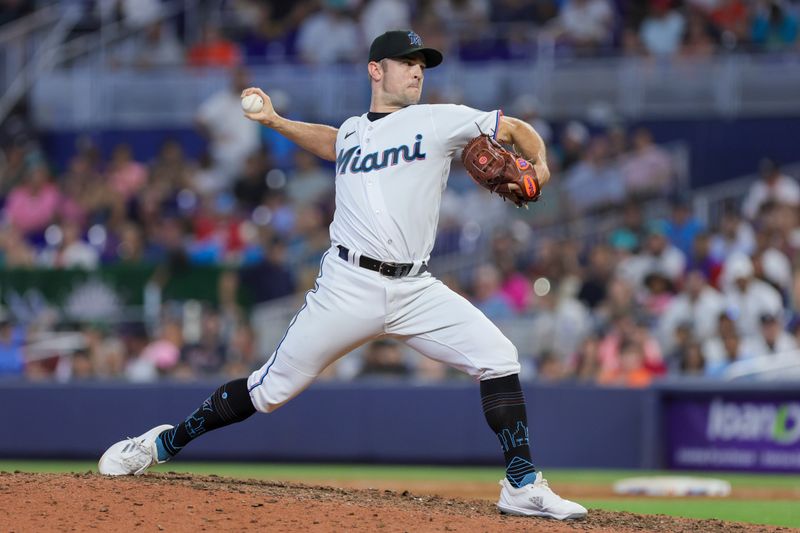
<point x="570" y="426"/>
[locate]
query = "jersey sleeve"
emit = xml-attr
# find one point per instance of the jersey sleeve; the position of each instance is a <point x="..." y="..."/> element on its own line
<point x="456" y="125"/>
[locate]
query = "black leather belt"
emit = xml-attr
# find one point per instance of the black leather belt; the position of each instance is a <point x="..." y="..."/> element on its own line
<point x="390" y="270"/>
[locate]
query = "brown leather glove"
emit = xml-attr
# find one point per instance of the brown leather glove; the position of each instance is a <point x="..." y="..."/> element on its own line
<point x="501" y="171"/>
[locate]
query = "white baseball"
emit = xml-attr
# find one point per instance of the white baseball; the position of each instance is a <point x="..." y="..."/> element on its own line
<point x="252" y="103"/>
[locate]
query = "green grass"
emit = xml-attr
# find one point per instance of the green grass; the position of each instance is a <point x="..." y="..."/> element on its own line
<point x="772" y="512"/>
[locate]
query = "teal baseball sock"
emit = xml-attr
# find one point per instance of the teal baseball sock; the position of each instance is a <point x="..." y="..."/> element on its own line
<point x="228" y="405"/>
<point x="504" y="409"/>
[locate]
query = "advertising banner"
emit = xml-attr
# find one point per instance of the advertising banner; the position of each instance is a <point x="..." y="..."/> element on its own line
<point x="733" y="433"/>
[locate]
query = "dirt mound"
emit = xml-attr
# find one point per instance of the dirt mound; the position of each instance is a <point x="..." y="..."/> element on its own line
<point x="179" y="502"/>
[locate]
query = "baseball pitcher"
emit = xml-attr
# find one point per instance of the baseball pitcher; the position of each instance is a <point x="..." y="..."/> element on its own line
<point x="392" y="165"/>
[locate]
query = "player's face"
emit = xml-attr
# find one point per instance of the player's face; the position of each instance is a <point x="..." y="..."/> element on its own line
<point x="402" y="79"/>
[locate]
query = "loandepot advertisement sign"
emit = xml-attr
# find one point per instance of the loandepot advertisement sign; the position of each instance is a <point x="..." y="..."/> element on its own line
<point x="733" y="434"/>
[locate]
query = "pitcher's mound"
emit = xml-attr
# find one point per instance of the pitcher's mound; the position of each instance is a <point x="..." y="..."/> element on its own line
<point x="188" y="503"/>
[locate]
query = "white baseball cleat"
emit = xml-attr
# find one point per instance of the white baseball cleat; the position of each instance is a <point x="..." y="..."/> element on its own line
<point x="132" y="456"/>
<point x="537" y="499"/>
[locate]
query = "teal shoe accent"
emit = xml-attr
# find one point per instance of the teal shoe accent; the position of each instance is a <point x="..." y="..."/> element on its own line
<point x="528" y="479"/>
<point x="163" y="454"/>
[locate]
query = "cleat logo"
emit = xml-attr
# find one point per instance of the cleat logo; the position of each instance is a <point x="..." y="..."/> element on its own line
<point x="537" y="501"/>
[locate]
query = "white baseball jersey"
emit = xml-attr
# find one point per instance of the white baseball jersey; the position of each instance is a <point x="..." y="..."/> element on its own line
<point x="390" y="174"/>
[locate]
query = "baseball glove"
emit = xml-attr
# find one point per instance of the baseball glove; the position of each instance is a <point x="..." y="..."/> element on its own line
<point x="495" y="168"/>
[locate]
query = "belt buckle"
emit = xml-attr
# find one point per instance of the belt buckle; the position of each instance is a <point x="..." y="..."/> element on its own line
<point x="399" y="271"/>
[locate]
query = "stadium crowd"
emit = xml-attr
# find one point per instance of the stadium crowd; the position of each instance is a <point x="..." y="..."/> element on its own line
<point x="652" y="297"/>
<point x="338" y="31"/>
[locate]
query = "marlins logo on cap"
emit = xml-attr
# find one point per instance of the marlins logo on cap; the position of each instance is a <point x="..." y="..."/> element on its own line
<point x="414" y="39"/>
<point x="402" y="43"/>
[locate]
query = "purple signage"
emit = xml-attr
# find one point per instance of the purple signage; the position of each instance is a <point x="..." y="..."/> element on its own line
<point x="733" y="433"/>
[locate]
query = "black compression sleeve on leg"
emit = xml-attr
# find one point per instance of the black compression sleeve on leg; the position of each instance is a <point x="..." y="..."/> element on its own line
<point x="227" y="405"/>
<point x="504" y="409"/>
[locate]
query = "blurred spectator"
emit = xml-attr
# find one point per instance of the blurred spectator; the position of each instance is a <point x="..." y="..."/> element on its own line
<point x="250" y="186"/>
<point x="271" y="28"/>
<point x="662" y="29"/>
<point x="683" y="227"/>
<point x="692" y="362"/>
<point x="631" y="370"/>
<point x="71" y="251"/>
<point x="773" y="338"/>
<point x="171" y="171"/>
<point x="581" y="180"/>
<point x="735" y="236"/>
<point x="106" y="350"/>
<point x="701" y="259"/>
<point x="574" y="138"/>
<point x="208" y="179"/>
<point x="15" y="252"/>
<point x="232" y="137"/>
<point x="770" y="264"/>
<point x="204" y="355"/>
<point x="17" y="158"/>
<point x="217" y="231"/>
<point x="550" y="368"/>
<point x="722" y="351"/>
<point x="647" y="171"/>
<point x="773" y="187"/>
<point x="12" y="343"/>
<point x="699" y="305"/>
<point x="624" y="333"/>
<point x="213" y="50"/>
<point x="33" y="204"/>
<point x="309" y="182"/>
<point x="774" y="26"/>
<point x="384" y="358"/>
<point x="132" y="13"/>
<point x="658" y="294"/>
<point x="559" y="323"/>
<point x="126" y="176"/>
<point x="489" y="298"/>
<point x="594" y="287"/>
<point x="462" y="17"/>
<point x="657" y="256"/>
<point x="270" y="278"/>
<point x="379" y="16"/>
<point x="731" y="19"/>
<point x="307" y="244"/>
<point x="240" y="356"/>
<point x="586" y="25"/>
<point x="587" y="360"/>
<point x="81" y="366"/>
<point x="330" y="36"/>
<point x="747" y="297"/>
<point x="513" y="284"/>
<point x="699" y="41"/>
<point x="164" y="352"/>
<point x="156" y="46"/>
<point x="631" y="233"/>
<point x="514" y="12"/>
<point x="132" y="247"/>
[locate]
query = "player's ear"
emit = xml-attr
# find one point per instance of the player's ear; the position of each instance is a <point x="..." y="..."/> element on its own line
<point x="375" y="70"/>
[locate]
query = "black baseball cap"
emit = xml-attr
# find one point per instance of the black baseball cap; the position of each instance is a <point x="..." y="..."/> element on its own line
<point x="400" y="43"/>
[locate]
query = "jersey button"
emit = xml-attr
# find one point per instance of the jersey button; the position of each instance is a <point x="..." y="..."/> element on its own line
<point x="389" y="241"/>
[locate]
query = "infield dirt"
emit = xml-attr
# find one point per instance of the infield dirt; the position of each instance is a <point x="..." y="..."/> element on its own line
<point x="183" y="503"/>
